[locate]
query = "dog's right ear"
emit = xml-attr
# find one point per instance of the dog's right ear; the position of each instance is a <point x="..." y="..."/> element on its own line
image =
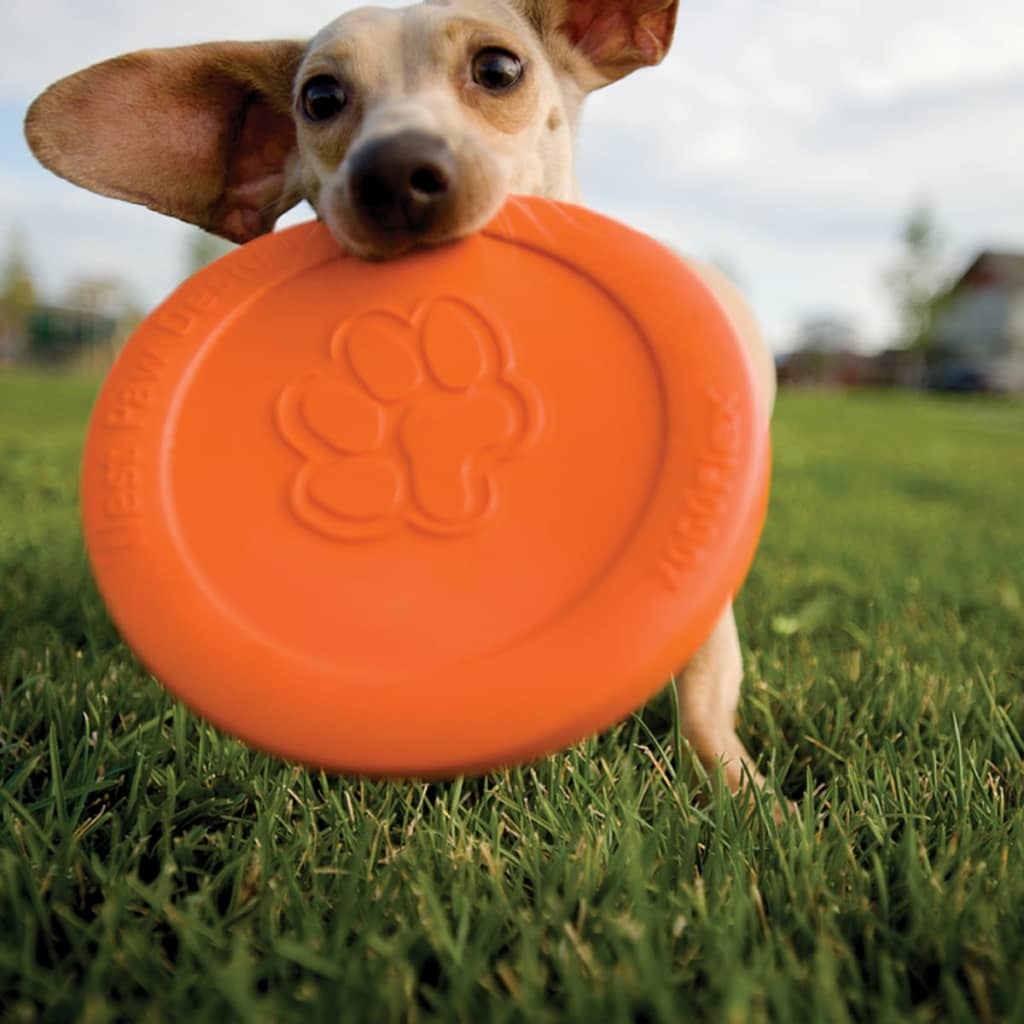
<point x="614" y="37"/>
<point x="203" y="133"/>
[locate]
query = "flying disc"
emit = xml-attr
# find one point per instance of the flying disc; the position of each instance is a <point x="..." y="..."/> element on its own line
<point x="434" y="515"/>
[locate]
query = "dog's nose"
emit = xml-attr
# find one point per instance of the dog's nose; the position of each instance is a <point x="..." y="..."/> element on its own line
<point x="401" y="182"/>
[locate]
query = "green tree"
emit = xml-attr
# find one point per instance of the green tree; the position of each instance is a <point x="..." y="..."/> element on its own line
<point x="103" y="295"/>
<point x="17" y="285"/>
<point x="917" y="280"/>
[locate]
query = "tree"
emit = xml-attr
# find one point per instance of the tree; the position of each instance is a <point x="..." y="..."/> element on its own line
<point x="825" y="333"/>
<point x="103" y="295"/>
<point x="917" y="280"/>
<point x="17" y="298"/>
<point x="17" y="285"/>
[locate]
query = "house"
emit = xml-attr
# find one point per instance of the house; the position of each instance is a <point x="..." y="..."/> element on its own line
<point x="977" y="339"/>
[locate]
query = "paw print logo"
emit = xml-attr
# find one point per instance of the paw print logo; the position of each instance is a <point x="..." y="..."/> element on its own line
<point x="407" y="424"/>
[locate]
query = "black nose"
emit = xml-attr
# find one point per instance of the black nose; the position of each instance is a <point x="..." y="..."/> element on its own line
<point x="401" y="182"/>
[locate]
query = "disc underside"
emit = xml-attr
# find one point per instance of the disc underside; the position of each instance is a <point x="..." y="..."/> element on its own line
<point x="428" y="516"/>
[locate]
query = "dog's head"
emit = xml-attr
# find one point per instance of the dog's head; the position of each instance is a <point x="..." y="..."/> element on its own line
<point x="402" y="127"/>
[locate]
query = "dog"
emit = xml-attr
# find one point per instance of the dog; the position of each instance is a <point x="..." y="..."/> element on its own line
<point x="403" y="128"/>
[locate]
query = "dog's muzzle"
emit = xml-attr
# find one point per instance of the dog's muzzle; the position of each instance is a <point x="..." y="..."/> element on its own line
<point x="400" y="184"/>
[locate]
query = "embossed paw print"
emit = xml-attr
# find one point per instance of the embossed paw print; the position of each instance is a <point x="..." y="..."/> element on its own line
<point x="407" y="423"/>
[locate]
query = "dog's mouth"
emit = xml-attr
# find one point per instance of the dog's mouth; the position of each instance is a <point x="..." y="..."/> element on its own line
<point x="376" y="249"/>
<point x="407" y="191"/>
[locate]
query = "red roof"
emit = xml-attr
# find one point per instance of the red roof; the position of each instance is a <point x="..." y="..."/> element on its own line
<point x="1005" y="269"/>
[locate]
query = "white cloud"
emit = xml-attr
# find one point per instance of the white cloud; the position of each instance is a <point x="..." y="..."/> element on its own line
<point x="789" y="137"/>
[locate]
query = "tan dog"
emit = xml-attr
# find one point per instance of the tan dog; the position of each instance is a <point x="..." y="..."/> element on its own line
<point x="402" y="128"/>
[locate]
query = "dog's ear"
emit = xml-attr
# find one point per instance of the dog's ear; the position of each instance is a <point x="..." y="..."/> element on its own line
<point x="614" y="36"/>
<point x="203" y="133"/>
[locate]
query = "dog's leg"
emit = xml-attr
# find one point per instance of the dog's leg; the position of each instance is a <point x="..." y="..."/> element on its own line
<point x="709" y="691"/>
<point x="709" y="686"/>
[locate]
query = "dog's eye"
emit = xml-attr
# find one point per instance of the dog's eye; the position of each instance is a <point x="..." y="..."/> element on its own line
<point x="496" y="69"/>
<point x="322" y="98"/>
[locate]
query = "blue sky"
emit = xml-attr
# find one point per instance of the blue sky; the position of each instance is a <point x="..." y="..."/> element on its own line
<point x="788" y="139"/>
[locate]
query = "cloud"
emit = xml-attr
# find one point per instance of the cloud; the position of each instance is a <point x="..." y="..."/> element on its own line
<point x="45" y="39"/>
<point x="788" y="138"/>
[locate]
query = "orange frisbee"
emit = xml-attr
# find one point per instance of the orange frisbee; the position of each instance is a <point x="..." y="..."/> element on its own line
<point x="429" y="516"/>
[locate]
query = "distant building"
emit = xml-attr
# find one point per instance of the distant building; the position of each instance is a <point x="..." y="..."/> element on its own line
<point x="823" y="368"/>
<point x="824" y="355"/>
<point x="53" y="335"/>
<point x="58" y="334"/>
<point x="843" y="369"/>
<point x="897" y="368"/>
<point x="977" y="340"/>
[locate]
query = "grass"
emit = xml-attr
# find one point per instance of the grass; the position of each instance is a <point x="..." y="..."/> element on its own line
<point x="153" y="870"/>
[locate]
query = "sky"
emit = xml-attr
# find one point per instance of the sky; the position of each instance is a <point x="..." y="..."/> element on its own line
<point x="786" y="139"/>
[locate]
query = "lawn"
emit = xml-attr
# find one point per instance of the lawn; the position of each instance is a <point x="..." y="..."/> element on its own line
<point x="153" y="870"/>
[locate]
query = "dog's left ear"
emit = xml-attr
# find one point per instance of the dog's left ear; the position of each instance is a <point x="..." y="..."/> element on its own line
<point x="203" y="133"/>
<point x="614" y="36"/>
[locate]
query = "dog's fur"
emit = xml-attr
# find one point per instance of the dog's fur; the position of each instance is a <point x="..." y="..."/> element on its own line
<point x="215" y="135"/>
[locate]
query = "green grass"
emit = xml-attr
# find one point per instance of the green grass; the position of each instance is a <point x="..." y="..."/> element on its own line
<point x="152" y="870"/>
